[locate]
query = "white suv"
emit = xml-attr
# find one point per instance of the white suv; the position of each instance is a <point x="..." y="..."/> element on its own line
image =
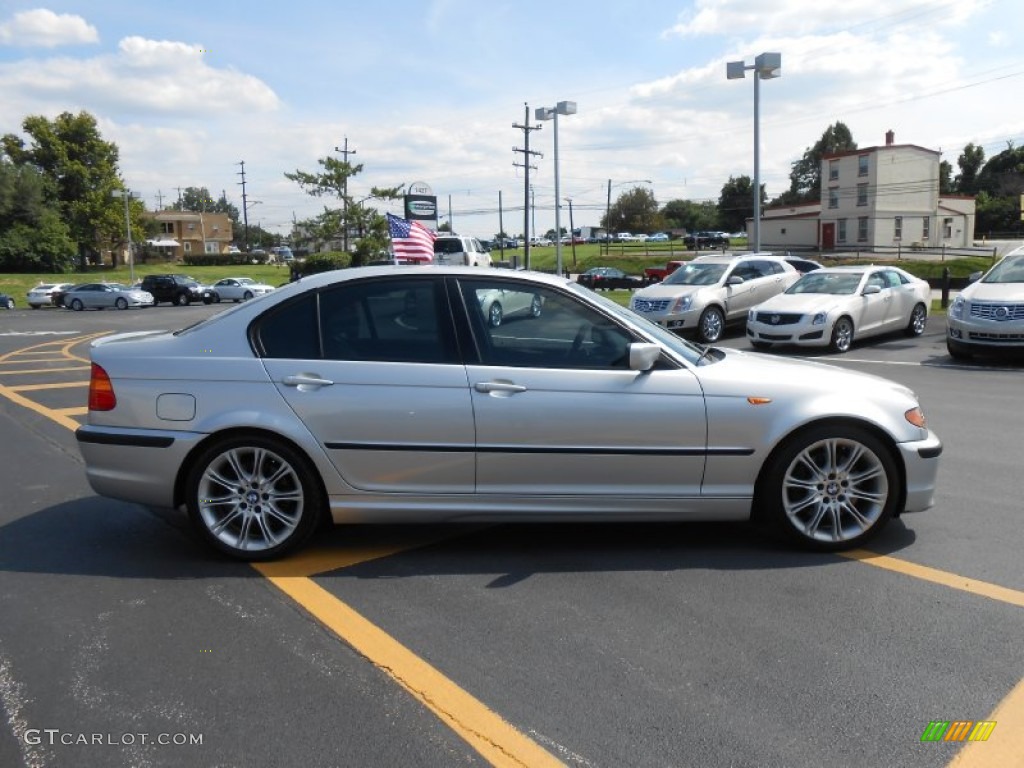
<point x="466" y="251"/>
<point x="710" y="291"/>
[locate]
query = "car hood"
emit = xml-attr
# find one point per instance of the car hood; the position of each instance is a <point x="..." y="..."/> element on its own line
<point x="745" y="374"/>
<point x="994" y="292"/>
<point x="804" y="303"/>
<point x="662" y="291"/>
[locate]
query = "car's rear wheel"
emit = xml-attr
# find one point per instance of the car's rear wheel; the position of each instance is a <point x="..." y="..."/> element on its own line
<point x="77" y="305"/>
<point x="842" y="335"/>
<point x="495" y="315"/>
<point x="830" y="487"/>
<point x="253" y="497"/>
<point x="711" y="325"/>
<point x="918" y="320"/>
<point x="121" y="303"/>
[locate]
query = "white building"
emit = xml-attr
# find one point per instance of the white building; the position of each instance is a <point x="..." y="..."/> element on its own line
<point x="875" y="198"/>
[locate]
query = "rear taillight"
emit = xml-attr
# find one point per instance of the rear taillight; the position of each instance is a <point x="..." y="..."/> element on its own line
<point x="101" y="391"/>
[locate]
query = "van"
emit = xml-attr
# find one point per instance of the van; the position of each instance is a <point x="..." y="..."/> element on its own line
<point x="457" y="250"/>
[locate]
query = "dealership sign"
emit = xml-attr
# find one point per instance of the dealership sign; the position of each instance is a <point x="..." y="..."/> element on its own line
<point x="420" y="202"/>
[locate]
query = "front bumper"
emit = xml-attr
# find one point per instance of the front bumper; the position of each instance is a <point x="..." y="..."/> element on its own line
<point x="921" y="464"/>
<point x="988" y="335"/>
<point x="802" y="332"/>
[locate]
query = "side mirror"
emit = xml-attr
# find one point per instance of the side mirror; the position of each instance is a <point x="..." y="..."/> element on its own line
<point x="870" y="290"/>
<point x="643" y="356"/>
<point x="734" y="280"/>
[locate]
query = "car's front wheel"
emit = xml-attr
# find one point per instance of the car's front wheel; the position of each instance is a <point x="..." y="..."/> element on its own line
<point x="253" y="497"/>
<point x="77" y="305"/>
<point x="711" y="325"/>
<point x="842" y="335"/>
<point x="918" y="320"/>
<point x="829" y="488"/>
<point x="121" y="303"/>
<point x="247" y="295"/>
<point x="182" y="300"/>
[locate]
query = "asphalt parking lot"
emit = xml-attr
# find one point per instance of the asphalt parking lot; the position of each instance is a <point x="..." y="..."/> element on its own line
<point x="124" y="641"/>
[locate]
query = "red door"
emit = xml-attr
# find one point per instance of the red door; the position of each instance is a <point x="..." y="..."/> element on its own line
<point x="828" y="236"/>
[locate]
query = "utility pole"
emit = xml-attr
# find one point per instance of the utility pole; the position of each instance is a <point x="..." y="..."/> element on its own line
<point x="245" y="209"/>
<point x="344" y="193"/>
<point x="527" y="154"/>
<point x="572" y="231"/>
<point x="159" y="200"/>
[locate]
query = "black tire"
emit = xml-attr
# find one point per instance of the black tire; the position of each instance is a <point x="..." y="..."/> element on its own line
<point x="276" y="504"/>
<point x="918" y="320"/>
<point x="711" y="325"/>
<point x="121" y="303"/>
<point x="807" y="499"/>
<point x="536" y="306"/>
<point x="842" y="335"/>
<point x="495" y="315"/>
<point x="247" y="295"/>
<point x="9" y="303"/>
<point x="182" y="300"/>
<point x="77" y="305"/>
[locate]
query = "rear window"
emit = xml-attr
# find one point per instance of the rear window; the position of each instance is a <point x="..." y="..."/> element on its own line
<point x="448" y="245"/>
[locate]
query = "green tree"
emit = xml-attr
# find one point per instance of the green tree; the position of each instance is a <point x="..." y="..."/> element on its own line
<point x="353" y="216"/>
<point x="200" y="199"/>
<point x="970" y="163"/>
<point x="636" y="210"/>
<point x="805" y="178"/>
<point x="736" y="203"/>
<point x="946" y="185"/>
<point x="693" y="216"/>
<point x="81" y="172"/>
<point x="33" y="238"/>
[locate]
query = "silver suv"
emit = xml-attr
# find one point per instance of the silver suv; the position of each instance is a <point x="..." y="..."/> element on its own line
<point x="988" y="315"/>
<point x="710" y="291"/>
<point x="461" y="251"/>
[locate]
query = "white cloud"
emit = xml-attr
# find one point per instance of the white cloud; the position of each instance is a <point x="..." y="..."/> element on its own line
<point x="41" y="28"/>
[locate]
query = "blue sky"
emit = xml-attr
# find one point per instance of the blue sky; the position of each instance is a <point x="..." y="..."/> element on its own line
<point x="429" y="91"/>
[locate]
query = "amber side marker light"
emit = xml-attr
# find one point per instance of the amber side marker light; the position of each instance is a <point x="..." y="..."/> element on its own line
<point x="758" y="400"/>
<point x="101" y="391"/>
<point x="916" y="417"/>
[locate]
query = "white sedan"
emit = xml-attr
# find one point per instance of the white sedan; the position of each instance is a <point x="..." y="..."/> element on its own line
<point x="835" y="305"/>
<point x="240" y="289"/>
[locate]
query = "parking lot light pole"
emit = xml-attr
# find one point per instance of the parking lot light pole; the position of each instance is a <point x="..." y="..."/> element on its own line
<point x="766" y="67"/>
<point x="126" y="194"/>
<point x="552" y="113"/>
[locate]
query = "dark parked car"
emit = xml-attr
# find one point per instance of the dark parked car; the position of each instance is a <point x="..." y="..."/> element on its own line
<point x="698" y="240"/>
<point x="608" y="278"/>
<point x="177" y="289"/>
<point x="803" y="266"/>
<point x="6" y="302"/>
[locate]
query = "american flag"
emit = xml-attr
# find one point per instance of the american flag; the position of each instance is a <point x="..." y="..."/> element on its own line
<point x="410" y="240"/>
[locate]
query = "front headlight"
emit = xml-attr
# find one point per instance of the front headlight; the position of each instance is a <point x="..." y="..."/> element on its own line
<point x="682" y="304"/>
<point x="750" y="315"/>
<point x="819" y="319"/>
<point x="956" y="309"/>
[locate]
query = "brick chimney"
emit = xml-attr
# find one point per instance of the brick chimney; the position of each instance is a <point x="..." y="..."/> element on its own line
<point x="890" y="137"/>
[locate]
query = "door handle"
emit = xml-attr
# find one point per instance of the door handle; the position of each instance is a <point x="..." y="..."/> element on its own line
<point x="306" y="381"/>
<point x="498" y="386"/>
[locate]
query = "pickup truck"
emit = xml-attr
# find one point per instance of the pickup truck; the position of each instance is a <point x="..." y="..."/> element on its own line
<point x="657" y="274"/>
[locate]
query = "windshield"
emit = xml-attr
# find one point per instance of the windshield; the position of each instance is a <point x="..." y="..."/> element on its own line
<point x="1009" y="270"/>
<point x="246" y="280"/>
<point x="827" y="282"/>
<point x="696" y="274"/>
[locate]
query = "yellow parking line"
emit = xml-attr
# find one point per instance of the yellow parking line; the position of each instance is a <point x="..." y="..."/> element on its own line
<point x="57" y="385"/>
<point x="49" y="413"/>
<point x="81" y="410"/>
<point x="27" y="371"/>
<point x="497" y="741"/>
<point x="1005" y="747"/>
<point x="945" y="578"/>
